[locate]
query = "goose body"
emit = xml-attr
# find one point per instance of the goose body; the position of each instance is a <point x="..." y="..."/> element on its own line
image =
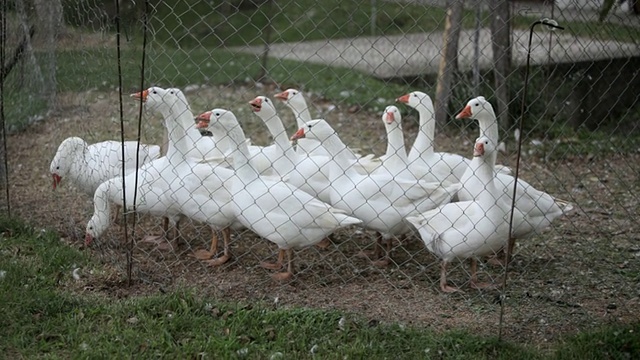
<point x="468" y="229"/>
<point x="273" y="209"/>
<point x="380" y="199"/>
<point x="539" y="209"/>
<point x="88" y="166"/>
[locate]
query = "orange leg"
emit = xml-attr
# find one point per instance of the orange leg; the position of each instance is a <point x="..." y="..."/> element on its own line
<point x="375" y="253"/>
<point x="286" y="275"/>
<point x="274" y="266"/>
<point x="324" y="243"/>
<point x="383" y="260"/>
<point x="203" y="254"/>
<point x="443" y="279"/>
<point x="226" y="237"/>
<point x="157" y="239"/>
<point x="474" y="277"/>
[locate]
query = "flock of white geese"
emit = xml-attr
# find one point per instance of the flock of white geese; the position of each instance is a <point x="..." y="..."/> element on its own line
<point x="300" y="189"/>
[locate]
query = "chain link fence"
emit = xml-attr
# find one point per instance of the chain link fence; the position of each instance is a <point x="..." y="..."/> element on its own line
<point x="67" y="74"/>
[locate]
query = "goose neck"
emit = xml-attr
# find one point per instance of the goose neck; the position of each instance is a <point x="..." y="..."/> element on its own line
<point x="426" y="133"/>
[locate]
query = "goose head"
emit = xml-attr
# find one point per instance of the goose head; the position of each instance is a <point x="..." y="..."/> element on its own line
<point x="416" y="99"/>
<point x="291" y="97"/>
<point x="391" y="115"/>
<point x="294" y="100"/>
<point x="483" y="147"/>
<point x="220" y="120"/>
<point x="263" y="107"/>
<point x="159" y="100"/>
<point x="66" y="154"/>
<point x="315" y="129"/>
<point x="476" y="108"/>
<point x="95" y="227"/>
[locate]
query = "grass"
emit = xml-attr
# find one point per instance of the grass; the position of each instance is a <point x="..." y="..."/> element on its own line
<point x="41" y="317"/>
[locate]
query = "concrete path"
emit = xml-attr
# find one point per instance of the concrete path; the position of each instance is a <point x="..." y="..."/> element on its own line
<point x="418" y="54"/>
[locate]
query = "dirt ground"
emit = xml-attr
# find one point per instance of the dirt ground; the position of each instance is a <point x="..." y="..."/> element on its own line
<point x="581" y="273"/>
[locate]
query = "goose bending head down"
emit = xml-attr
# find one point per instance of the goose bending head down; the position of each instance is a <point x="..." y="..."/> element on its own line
<point x="87" y="166"/>
<point x="63" y="160"/>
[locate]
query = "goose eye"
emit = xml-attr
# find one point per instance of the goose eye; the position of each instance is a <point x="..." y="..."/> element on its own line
<point x="217" y="114"/>
<point x="171" y="92"/>
<point x="155" y="92"/>
<point x="57" y="167"/>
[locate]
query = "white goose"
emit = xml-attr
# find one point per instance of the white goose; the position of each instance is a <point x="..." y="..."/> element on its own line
<point x="262" y="157"/>
<point x="275" y="210"/>
<point x="152" y="197"/>
<point x="395" y="159"/>
<point x="538" y="207"/>
<point x="199" y="190"/>
<point x="88" y="166"/>
<point x="468" y="229"/>
<point x="308" y="172"/>
<point x="295" y="101"/>
<point x="380" y="199"/>
<point x="205" y="148"/>
<point x="423" y="160"/>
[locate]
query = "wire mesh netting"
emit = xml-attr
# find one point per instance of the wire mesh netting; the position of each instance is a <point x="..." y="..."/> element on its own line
<point x="419" y="100"/>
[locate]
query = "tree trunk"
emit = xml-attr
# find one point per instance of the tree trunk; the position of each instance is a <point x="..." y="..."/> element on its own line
<point x="36" y="80"/>
<point x="50" y="17"/>
<point x="449" y="60"/>
<point x="501" y="46"/>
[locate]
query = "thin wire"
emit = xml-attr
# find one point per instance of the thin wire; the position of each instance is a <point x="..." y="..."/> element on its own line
<point x="517" y="169"/>
<point x="3" y="43"/>
<point x="122" y="140"/>
<point x="138" y="138"/>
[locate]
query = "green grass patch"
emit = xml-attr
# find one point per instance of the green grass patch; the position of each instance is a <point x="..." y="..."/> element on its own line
<point x="40" y="317"/>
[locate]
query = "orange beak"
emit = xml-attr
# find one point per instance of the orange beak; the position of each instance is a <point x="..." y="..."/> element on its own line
<point x="465" y="113"/>
<point x="390" y="118"/>
<point x="141" y="95"/>
<point x="88" y="239"/>
<point x="203" y="120"/>
<point x="56" y="180"/>
<point x="298" y="135"/>
<point x="403" y="99"/>
<point x="284" y="96"/>
<point x="256" y="104"/>
<point x="478" y="150"/>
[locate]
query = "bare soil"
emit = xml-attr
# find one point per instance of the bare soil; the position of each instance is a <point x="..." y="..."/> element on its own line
<point x="581" y="273"/>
